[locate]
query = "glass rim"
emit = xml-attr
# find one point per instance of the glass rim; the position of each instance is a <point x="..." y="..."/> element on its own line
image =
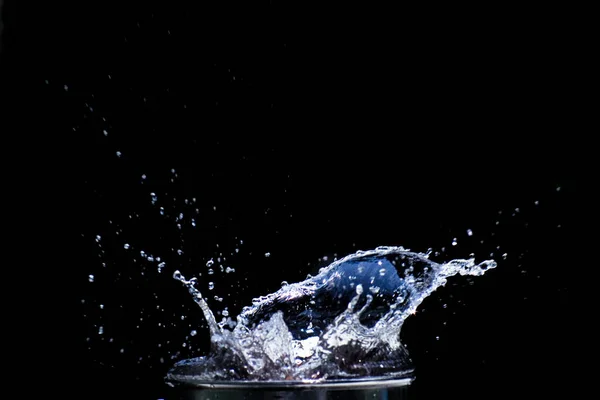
<point x="350" y="383"/>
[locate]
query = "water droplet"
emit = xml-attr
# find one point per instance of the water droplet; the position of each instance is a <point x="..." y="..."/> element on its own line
<point x="225" y="312"/>
<point x="102" y="306"/>
<point x="126" y="246"/>
<point x="454" y="242"/>
<point x="267" y="254"/>
<point x="211" y="285"/>
<point x="382" y="271"/>
<point x="469" y="232"/>
<point x="179" y="251"/>
<point x="66" y="88"/>
<point x="100" y="330"/>
<point x="504" y="256"/>
<point x="98" y="237"/>
<point x="91" y="278"/>
<point x="193" y="333"/>
<point x="210" y="262"/>
<point x="374" y="289"/>
<point x="211" y="271"/>
<point x="359" y="289"/>
<point x="118" y="153"/>
<point x="229" y="270"/>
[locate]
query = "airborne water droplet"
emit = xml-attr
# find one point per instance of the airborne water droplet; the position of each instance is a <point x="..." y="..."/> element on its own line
<point x="91" y="278"/>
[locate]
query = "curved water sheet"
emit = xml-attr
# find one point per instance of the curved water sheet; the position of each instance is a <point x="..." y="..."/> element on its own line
<point x="342" y="324"/>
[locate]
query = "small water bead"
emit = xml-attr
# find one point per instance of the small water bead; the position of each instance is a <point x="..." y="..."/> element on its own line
<point x="102" y="306"/>
<point x="210" y="262"/>
<point x="193" y="333"/>
<point x="454" y="242"/>
<point x="229" y="270"/>
<point x="126" y="246"/>
<point x="359" y="289"/>
<point x="267" y="255"/>
<point x="382" y="271"/>
<point x="100" y="330"/>
<point x="225" y="312"/>
<point x="211" y="271"/>
<point x="98" y="237"/>
<point x="211" y="285"/>
<point x="179" y="251"/>
<point x="91" y="278"/>
<point x="469" y="232"/>
<point x="119" y="154"/>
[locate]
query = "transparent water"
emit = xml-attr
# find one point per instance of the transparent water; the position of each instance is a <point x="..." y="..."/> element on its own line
<point x="343" y="323"/>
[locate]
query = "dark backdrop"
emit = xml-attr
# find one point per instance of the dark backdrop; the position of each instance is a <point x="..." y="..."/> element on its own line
<point x="310" y="132"/>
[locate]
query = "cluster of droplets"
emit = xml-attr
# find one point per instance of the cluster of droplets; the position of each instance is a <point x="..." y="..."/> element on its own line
<point x="117" y="249"/>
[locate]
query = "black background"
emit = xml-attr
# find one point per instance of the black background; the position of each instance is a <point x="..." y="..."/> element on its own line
<point x="313" y="132"/>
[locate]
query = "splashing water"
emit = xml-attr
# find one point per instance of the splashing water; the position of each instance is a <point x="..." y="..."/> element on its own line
<point x="343" y="323"/>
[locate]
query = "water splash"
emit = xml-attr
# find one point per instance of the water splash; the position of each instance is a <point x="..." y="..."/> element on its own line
<point x="343" y="323"/>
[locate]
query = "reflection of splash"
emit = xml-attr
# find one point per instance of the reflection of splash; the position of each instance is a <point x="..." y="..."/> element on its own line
<point x="343" y="323"/>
